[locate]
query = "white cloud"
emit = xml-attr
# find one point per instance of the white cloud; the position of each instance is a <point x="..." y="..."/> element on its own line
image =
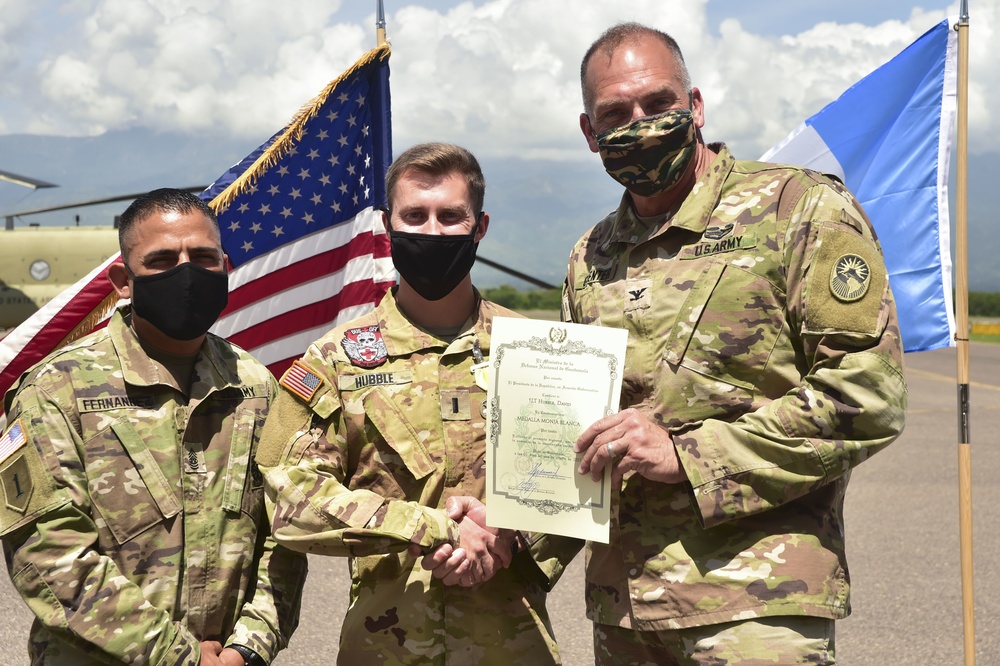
<point x="500" y="76"/>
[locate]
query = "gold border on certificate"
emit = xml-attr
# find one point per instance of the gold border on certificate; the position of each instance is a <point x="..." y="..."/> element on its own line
<point x="547" y="382"/>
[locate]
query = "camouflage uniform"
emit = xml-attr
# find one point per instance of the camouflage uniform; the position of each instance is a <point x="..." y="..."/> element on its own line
<point x="763" y="337"/>
<point x="358" y="462"/>
<point x="133" y="526"/>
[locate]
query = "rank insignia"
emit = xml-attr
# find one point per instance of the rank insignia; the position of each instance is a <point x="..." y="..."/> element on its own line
<point x="301" y="381"/>
<point x="850" y="278"/>
<point x="365" y="347"/>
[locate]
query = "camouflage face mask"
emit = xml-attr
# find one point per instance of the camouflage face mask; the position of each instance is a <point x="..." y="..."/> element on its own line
<point x="648" y="156"/>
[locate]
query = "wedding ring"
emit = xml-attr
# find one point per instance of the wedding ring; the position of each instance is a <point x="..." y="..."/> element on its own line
<point x="611" y="450"/>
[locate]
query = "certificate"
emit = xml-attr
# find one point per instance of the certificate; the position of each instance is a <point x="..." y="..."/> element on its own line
<point x="547" y="382"/>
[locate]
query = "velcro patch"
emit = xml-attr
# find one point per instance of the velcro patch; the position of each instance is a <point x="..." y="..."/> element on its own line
<point x="850" y="278"/>
<point x="16" y="481"/>
<point x="244" y="392"/>
<point x="104" y="403"/>
<point x="455" y="405"/>
<point x="12" y="440"/>
<point x="369" y="379"/>
<point x="301" y="381"/>
<point x="846" y="285"/>
<point x="740" y="240"/>
<point x="638" y="294"/>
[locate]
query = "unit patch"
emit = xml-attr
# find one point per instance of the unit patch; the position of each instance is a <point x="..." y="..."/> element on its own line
<point x="850" y="278"/>
<point x="301" y="381"/>
<point x="365" y="347"/>
<point x="12" y="440"/>
<point x="16" y="481"/>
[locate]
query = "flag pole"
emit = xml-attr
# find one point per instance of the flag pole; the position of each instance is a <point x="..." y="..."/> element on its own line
<point x="962" y="338"/>
<point x="380" y="23"/>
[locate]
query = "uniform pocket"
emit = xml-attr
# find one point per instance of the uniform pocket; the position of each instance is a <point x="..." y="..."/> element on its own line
<point x="725" y="332"/>
<point x="244" y="487"/>
<point x="126" y="485"/>
<point x="398" y="433"/>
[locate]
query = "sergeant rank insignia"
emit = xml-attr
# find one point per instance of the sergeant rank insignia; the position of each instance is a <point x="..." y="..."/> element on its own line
<point x="301" y="381"/>
<point x="850" y="278"/>
<point x="365" y="347"/>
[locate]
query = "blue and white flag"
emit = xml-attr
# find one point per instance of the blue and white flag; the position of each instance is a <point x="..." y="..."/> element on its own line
<point x="888" y="137"/>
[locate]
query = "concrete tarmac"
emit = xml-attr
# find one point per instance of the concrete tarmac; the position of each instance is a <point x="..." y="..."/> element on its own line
<point x="902" y="537"/>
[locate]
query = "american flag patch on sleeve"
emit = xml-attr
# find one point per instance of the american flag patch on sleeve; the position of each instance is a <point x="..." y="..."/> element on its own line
<point x="301" y="381"/>
<point x="11" y="441"/>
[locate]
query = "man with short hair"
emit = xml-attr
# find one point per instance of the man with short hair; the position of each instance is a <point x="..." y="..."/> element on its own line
<point x="376" y="447"/>
<point x="133" y="525"/>
<point x="764" y="363"/>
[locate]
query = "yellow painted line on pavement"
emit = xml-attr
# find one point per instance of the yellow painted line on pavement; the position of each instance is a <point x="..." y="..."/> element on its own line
<point x="936" y="376"/>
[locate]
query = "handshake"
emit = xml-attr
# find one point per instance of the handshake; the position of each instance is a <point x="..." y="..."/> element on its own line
<point x="482" y="550"/>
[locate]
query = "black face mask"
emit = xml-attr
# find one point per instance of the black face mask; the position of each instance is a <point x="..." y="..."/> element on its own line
<point x="433" y="264"/>
<point x="181" y="303"/>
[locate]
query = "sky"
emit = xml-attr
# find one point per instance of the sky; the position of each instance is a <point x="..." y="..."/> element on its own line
<point x="497" y="76"/>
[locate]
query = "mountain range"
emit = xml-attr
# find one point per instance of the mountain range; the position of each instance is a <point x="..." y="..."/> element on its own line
<point x="538" y="208"/>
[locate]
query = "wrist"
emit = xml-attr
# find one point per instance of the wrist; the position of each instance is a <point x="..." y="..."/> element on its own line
<point x="250" y="658"/>
<point x="518" y="544"/>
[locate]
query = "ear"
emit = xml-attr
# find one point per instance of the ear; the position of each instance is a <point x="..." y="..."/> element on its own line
<point x="385" y="222"/>
<point x="588" y="132"/>
<point x="697" y="108"/>
<point x="118" y="277"/>
<point x="484" y="224"/>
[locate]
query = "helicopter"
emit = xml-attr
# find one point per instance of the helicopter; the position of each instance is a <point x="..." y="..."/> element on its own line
<point x="39" y="262"/>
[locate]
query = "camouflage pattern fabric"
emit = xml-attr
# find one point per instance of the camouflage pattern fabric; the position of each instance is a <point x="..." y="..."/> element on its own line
<point x="775" y="640"/>
<point x="143" y="532"/>
<point x="763" y="337"/>
<point x="649" y="155"/>
<point x="362" y="468"/>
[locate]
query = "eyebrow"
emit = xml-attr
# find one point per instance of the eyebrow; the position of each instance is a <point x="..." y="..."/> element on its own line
<point x="458" y="208"/>
<point x="153" y="255"/>
<point x="665" y="91"/>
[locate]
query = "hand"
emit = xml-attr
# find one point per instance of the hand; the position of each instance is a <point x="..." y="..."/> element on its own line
<point x="484" y="550"/>
<point x="210" y="654"/>
<point x="230" y="657"/>
<point x="636" y="443"/>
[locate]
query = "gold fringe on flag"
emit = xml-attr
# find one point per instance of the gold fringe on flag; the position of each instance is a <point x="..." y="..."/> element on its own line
<point x="95" y="317"/>
<point x="292" y="133"/>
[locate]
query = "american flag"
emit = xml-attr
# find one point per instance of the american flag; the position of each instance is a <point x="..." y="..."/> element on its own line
<point x="11" y="441"/>
<point x="300" y="222"/>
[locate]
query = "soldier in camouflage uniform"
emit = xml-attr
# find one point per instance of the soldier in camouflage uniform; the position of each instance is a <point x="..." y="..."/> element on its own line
<point x="764" y="363"/>
<point x="376" y="446"/>
<point x="133" y="522"/>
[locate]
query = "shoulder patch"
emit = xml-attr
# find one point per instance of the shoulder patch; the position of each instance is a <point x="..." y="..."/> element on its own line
<point x="365" y="347"/>
<point x="17" y="486"/>
<point x="846" y="285"/>
<point x="301" y="381"/>
<point x="13" y="439"/>
<point x="850" y="278"/>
